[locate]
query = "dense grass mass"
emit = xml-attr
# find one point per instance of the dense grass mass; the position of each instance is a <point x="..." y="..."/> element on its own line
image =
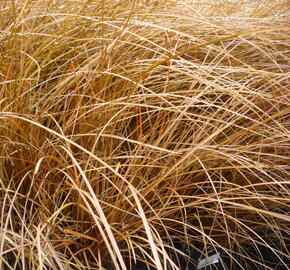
<point x="140" y="134"/>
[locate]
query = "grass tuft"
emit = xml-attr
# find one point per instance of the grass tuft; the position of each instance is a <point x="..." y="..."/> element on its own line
<point x="144" y="134"/>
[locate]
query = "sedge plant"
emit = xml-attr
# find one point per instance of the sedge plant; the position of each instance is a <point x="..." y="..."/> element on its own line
<point x="142" y="134"/>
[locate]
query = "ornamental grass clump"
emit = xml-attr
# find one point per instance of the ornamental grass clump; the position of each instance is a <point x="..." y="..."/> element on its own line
<point x="144" y="134"/>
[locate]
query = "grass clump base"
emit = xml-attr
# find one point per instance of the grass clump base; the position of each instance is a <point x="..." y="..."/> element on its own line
<point x="144" y="134"/>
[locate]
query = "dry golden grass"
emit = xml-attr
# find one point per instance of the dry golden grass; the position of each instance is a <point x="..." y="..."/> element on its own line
<point x="143" y="131"/>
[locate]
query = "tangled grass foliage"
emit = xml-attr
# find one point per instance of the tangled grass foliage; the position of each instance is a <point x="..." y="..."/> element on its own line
<point x="144" y="133"/>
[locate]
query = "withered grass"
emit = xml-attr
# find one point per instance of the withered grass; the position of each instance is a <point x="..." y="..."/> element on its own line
<point x="137" y="131"/>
